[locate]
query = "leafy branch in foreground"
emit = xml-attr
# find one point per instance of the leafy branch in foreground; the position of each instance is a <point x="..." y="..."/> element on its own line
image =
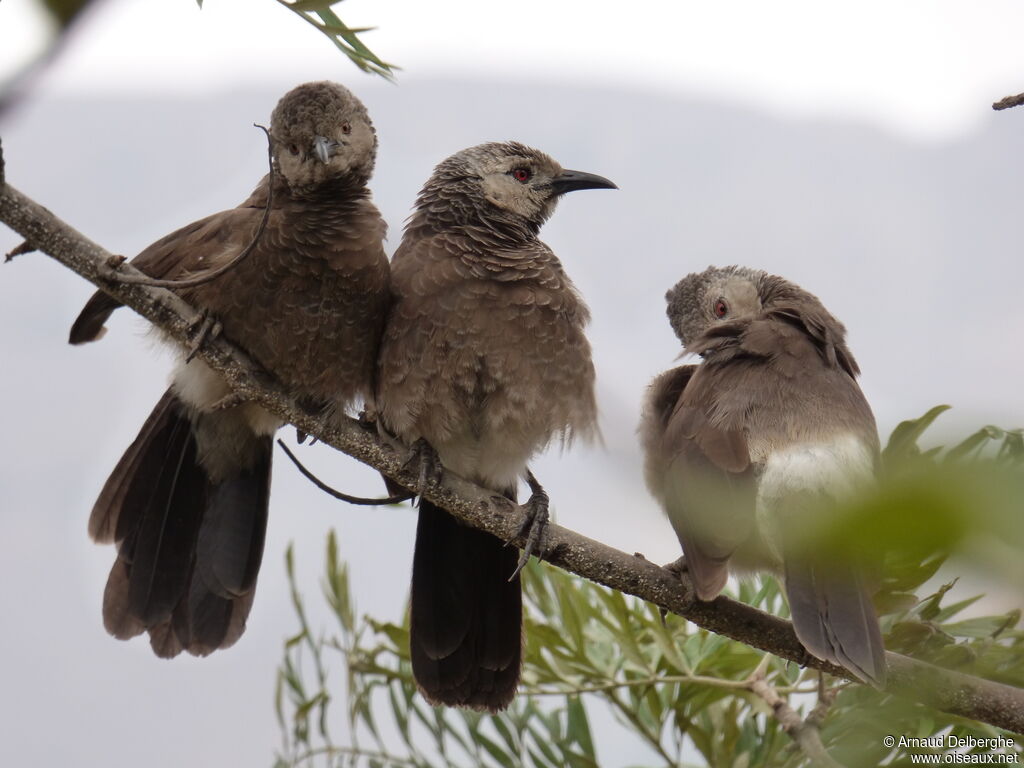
<point x="681" y="695"/>
<point x="320" y="14"/>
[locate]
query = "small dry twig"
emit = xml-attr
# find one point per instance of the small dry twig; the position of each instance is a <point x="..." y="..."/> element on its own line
<point x="192" y="282"/>
<point x="803" y="732"/>
<point x="1009" y="101"/>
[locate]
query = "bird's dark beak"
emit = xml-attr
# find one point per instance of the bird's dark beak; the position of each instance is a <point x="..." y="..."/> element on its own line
<point x="323" y="148"/>
<point x="570" y="181"/>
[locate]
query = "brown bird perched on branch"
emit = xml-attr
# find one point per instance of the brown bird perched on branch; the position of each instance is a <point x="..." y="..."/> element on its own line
<point x="187" y="504"/>
<point x="483" y="357"/>
<point x="743" y="450"/>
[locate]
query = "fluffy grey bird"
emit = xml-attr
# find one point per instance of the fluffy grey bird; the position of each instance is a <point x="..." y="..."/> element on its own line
<point x="770" y="427"/>
<point x="187" y="504"/>
<point x="485" y="358"/>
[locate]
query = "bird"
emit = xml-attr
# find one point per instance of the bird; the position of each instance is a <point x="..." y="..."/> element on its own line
<point x="768" y="430"/>
<point x="186" y="506"/>
<point x="484" y="360"/>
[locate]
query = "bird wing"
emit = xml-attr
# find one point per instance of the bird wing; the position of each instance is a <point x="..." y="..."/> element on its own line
<point x="708" y="487"/>
<point x="191" y="250"/>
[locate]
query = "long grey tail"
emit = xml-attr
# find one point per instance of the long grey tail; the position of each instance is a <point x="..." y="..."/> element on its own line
<point x="834" y="617"/>
<point x="188" y="547"/>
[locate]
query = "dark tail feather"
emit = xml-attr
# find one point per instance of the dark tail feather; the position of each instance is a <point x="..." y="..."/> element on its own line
<point x="229" y="551"/>
<point x="835" y="619"/>
<point x="188" y="549"/>
<point x="466" y="617"/>
<point x="88" y="326"/>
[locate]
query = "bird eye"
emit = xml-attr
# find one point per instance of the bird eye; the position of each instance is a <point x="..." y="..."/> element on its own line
<point x="522" y="175"/>
<point x="346" y="128"/>
<point x="294" y="149"/>
<point x="721" y="308"/>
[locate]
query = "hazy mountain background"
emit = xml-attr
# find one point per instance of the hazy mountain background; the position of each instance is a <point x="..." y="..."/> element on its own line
<point x="915" y="247"/>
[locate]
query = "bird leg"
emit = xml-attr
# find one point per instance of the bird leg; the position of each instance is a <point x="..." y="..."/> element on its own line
<point x="677" y="567"/>
<point x="423" y="457"/>
<point x="229" y="401"/>
<point x="203" y="328"/>
<point x="535" y="523"/>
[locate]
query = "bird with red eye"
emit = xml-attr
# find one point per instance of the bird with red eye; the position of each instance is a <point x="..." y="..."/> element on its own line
<point x="721" y="308"/>
<point x="522" y="175"/>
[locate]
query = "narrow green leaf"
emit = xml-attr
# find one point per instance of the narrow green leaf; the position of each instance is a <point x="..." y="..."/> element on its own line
<point x="578" y="725"/>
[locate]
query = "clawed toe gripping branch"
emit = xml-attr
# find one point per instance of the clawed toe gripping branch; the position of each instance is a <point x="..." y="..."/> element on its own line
<point x="952" y="692"/>
<point x="534" y="524"/>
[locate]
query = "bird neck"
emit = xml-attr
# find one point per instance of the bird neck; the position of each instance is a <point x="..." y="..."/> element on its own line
<point x="329" y="192"/>
<point x="453" y="208"/>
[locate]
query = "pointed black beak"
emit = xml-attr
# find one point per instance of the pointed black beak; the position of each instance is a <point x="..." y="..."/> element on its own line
<point x="570" y="181"/>
<point x="323" y="148"/>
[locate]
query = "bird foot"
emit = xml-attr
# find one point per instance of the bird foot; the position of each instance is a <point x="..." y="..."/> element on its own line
<point x="424" y="460"/>
<point x="677" y="567"/>
<point x="205" y="327"/>
<point x="535" y="524"/>
<point x="230" y="400"/>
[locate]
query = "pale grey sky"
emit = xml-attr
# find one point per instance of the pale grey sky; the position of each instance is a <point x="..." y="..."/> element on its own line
<point x="926" y="68"/>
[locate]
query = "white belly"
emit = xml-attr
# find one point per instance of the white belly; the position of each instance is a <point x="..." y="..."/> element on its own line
<point x="804" y="479"/>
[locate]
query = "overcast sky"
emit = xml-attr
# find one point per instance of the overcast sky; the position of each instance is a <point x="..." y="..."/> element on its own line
<point x="850" y="147"/>
<point x="927" y="68"/>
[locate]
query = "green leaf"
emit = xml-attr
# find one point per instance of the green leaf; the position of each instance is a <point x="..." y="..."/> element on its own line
<point x="346" y="39"/>
<point x="903" y="440"/>
<point x="975" y="443"/>
<point x="578" y="725"/>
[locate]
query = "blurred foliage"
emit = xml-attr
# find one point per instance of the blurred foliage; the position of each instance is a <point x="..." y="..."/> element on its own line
<point x="320" y="13"/>
<point x="63" y="12"/>
<point x="680" y="695"/>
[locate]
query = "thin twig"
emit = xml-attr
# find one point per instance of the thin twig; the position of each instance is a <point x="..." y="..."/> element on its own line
<point x="25" y="247"/>
<point x="803" y="732"/>
<point x="192" y="282"/>
<point x="711" y="682"/>
<point x="357" y="500"/>
<point x="1009" y="101"/>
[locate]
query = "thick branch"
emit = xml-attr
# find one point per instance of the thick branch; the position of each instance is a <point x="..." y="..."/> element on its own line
<point x="951" y="692"/>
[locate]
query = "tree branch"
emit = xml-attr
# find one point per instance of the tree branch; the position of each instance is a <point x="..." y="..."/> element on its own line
<point x="804" y="732"/>
<point x="952" y="692"/>
<point x="1008" y="102"/>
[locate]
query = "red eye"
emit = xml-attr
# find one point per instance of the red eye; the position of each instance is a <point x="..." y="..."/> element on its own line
<point x="721" y="308"/>
<point x="522" y="175"/>
<point x="346" y="128"/>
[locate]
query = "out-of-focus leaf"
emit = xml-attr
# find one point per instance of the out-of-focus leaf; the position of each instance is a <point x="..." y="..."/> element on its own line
<point x="320" y="14"/>
<point x="903" y="440"/>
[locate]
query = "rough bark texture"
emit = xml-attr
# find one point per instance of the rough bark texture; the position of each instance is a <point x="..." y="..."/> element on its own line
<point x="951" y="692"/>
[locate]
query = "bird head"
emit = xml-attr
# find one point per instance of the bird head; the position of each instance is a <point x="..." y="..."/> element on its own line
<point x="322" y="133"/>
<point x="505" y="183"/>
<point x="715" y="296"/>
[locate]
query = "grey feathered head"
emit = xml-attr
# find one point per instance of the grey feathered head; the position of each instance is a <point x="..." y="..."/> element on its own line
<point x="322" y="132"/>
<point x="501" y="186"/>
<point x="720" y="295"/>
<point x="715" y="295"/>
